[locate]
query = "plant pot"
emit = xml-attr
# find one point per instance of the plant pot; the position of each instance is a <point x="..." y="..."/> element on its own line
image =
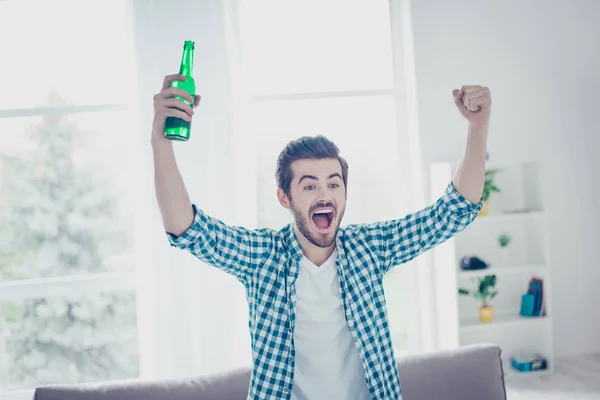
<point x="486" y="314"/>
<point x="484" y="210"/>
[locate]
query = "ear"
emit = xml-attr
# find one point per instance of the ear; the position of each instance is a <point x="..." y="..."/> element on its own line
<point x="283" y="199"/>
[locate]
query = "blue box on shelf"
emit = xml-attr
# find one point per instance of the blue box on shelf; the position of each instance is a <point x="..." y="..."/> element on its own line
<point x="529" y="362"/>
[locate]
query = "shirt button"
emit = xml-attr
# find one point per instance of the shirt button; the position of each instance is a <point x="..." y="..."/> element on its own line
<point x="285" y="391"/>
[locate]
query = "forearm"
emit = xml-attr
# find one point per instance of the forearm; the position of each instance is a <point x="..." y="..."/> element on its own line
<point x="171" y="194"/>
<point x="470" y="174"/>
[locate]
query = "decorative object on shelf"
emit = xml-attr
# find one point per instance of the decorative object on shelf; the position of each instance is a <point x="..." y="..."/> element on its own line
<point x="532" y="302"/>
<point x="504" y="240"/>
<point x="527" y="305"/>
<point x="485" y="293"/>
<point x="472" y="264"/>
<point x="488" y="188"/>
<point x="528" y="362"/>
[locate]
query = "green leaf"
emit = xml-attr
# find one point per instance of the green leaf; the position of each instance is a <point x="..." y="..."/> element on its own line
<point x="489" y="187"/>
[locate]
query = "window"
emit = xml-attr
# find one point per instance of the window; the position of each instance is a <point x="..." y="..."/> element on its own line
<point x="67" y="257"/>
<point x="326" y="67"/>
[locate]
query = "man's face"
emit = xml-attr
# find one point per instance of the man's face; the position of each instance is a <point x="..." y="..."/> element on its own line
<point x="318" y="199"/>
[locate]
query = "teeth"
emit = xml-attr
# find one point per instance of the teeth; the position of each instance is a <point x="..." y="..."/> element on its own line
<point x="324" y="211"/>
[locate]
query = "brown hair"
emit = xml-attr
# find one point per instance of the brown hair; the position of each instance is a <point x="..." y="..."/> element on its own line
<point x="315" y="147"/>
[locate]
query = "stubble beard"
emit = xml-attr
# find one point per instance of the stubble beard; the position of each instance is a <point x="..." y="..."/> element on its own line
<point x="318" y="239"/>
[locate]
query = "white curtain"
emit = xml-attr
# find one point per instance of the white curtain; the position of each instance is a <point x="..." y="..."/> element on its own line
<point x="192" y="317"/>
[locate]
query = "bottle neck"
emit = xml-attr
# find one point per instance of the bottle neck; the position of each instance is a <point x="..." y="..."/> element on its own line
<point x="187" y="61"/>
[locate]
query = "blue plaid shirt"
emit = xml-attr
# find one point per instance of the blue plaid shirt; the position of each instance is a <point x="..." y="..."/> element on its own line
<point x="266" y="262"/>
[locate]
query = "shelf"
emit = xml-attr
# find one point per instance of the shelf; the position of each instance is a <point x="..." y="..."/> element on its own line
<point x="516" y="269"/>
<point x="519" y="210"/>
<point x="500" y="320"/>
<point x="512" y="373"/>
<point x="510" y="216"/>
<point x="508" y="164"/>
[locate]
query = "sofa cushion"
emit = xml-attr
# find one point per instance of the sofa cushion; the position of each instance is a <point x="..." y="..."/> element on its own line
<point x="224" y="386"/>
<point x="469" y="372"/>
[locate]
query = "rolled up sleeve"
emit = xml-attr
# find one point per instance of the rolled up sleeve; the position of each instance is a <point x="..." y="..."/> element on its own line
<point x="236" y="250"/>
<point x="399" y="241"/>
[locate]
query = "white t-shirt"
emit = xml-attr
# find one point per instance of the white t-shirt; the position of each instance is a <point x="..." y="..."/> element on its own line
<point x="328" y="365"/>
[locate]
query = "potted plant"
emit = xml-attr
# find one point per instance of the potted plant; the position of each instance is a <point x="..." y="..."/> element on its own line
<point x="485" y="292"/>
<point x="488" y="188"/>
<point x="504" y="240"/>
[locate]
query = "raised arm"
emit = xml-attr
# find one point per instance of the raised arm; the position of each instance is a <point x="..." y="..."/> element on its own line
<point x="474" y="103"/>
<point x="233" y="249"/>
<point x="172" y="196"/>
<point x="398" y="241"/>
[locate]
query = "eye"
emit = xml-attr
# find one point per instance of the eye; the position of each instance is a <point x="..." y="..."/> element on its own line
<point x="308" y="187"/>
<point x="335" y="185"/>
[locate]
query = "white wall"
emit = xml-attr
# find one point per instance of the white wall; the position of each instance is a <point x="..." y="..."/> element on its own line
<point x="541" y="60"/>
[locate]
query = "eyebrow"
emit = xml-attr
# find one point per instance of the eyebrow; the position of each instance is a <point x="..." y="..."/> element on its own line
<point x="316" y="179"/>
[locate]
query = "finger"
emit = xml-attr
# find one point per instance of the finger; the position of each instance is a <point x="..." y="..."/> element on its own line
<point x="471" y="94"/>
<point x="470" y="106"/>
<point x="197" y="100"/>
<point x="479" y="103"/>
<point x="470" y="98"/>
<point x="458" y="94"/>
<point x="467" y="102"/>
<point x="175" y="103"/>
<point x="170" y="78"/>
<point x="476" y="93"/>
<point x="458" y="100"/>
<point x="470" y="88"/>
<point x="173" y="112"/>
<point x="173" y="91"/>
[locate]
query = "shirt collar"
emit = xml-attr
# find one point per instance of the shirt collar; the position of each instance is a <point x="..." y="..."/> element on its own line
<point x="294" y="246"/>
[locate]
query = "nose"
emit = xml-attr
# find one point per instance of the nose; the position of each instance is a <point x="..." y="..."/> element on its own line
<point x="324" y="198"/>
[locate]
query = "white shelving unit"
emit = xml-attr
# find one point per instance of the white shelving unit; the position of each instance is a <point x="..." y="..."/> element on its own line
<point x="519" y="212"/>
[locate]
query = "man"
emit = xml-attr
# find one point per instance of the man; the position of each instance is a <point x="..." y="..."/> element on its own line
<point x="318" y="323"/>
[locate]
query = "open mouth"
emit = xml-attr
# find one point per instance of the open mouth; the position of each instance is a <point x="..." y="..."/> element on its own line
<point x="323" y="219"/>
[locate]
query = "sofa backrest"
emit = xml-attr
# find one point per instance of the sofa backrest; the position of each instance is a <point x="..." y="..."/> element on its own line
<point x="470" y="372"/>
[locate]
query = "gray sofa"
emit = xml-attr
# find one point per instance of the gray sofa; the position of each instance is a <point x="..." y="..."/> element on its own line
<point x="468" y="373"/>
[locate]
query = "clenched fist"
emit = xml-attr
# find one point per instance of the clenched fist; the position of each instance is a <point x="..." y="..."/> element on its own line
<point x="474" y="102"/>
<point x="167" y="105"/>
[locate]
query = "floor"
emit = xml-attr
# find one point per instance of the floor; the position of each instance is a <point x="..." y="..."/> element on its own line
<point x="572" y="379"/>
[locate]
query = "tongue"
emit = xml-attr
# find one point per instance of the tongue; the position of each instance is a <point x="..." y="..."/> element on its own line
<point x="321" y="220"/>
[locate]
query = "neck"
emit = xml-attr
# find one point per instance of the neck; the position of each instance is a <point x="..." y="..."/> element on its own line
<point x="317" y="255"/>
<point x="187" y="61"/>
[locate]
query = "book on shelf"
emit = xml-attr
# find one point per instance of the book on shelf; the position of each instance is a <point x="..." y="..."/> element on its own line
<point x="532" y="302"/>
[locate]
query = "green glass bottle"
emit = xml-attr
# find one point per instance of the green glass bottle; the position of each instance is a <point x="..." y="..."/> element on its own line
<point x="177" y="128"/>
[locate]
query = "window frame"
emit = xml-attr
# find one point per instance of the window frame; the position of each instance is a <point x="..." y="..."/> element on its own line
<point x="94" y="283"/>
<point x="421" y="332"/>
<point x="83" y="284"/>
